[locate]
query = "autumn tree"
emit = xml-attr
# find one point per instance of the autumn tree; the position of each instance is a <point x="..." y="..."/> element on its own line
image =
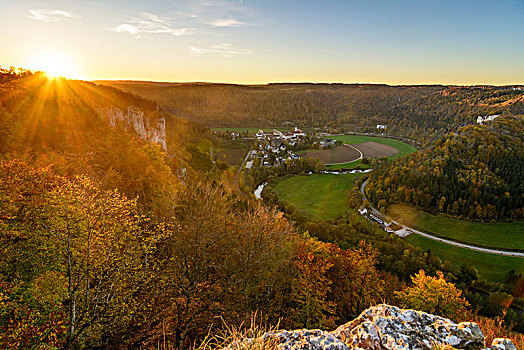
<point x="73" y="256"/>
<point x="434" y="295"/>
<point x="356" y="281"/>
<point x="104" y="247"/>
<point x="311" y="286"/>
<point x="216" y="258"/>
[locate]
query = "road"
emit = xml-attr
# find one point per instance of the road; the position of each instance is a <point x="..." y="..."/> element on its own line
<point x="456" y="244"/>
<point x="242" y="165"/>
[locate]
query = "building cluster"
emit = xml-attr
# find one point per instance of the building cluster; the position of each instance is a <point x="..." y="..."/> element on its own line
<point x="292" y="135"/>
<point x="271" y="148"/>
<point x="327" y="143"/>
<point x="375" y="216"/>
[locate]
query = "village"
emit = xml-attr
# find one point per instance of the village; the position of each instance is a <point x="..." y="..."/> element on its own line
<point x="272" y="148"/>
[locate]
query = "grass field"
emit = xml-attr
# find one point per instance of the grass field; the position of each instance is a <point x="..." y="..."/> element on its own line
<point x="403" y="148"/>
<point x="318" y="195"/>
<point x="351" y="165"/>
<point x="491" y="267"/>
<point x="501" y="235"/>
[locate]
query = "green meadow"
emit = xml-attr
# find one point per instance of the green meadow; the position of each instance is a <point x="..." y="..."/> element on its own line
<point x="491" y="267"/>
<point x="500" y="235"/>
<point x="318" y="195"/>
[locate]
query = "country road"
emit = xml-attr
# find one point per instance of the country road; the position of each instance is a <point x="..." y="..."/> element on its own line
<point x="456" y="244"/>
<point x="242" y="165"/>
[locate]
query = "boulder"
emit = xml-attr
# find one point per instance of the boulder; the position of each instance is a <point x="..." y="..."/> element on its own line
<point x="384" y="327"/>
<point x="388" y="327"/>
<point x="502" y="344"/>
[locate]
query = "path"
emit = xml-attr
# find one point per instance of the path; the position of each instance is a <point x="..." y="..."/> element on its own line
<point x="456" y="244"/>
<point x="242" y="165"/>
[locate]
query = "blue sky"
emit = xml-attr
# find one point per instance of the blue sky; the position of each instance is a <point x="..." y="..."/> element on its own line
<point x="260" y="41"/>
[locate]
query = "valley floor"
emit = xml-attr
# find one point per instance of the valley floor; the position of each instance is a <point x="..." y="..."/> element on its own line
<point x="492" y="264"/>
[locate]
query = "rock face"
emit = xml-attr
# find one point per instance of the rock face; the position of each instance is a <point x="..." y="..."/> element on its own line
<point x="148" y="129"/>
<point x="389" y="327"/>
<point x="384" y="327"/>
<point x="502" y="344"/>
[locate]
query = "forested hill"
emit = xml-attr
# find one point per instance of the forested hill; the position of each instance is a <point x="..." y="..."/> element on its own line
<point x="81" y="128"/>
<point x="475" y="174"/>
<point x="432" y="116"/>
<point x="422" y="113"/>
<point x="274" y="104"/>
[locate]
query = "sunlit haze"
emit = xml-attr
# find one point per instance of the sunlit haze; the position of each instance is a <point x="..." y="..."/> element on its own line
<point x="55" y="64"/>
<point x="261" y="41"/>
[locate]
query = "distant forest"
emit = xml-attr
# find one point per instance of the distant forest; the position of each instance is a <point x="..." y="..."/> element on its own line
<point x="475" y="174"/>
<point x="420" y="113"/>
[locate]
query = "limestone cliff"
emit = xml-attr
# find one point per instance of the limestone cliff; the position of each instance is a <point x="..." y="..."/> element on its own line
<point x="152" y="129"/>
<point x="382" y="327"/>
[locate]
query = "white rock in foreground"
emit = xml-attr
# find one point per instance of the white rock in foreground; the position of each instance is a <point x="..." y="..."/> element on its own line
<point x="385" y="327"/>
<point x="502" y="344"/>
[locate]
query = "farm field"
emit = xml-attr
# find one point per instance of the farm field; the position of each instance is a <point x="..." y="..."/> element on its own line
<point x="232" y="156"/>
<point x="401" y="147"/>
<point x="375" y="150"/>
<point x="340" y="154"/>
<point x="503" y="235"/>
<point x="318" y="195"/>
<point x="491" y="267"/>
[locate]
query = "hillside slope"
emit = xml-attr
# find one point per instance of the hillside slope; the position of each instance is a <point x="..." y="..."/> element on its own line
<point x="421" y="113"/>
<point x="274" y="104"/>
<point x="475" y="174"/>
<point x="78" y="127"/>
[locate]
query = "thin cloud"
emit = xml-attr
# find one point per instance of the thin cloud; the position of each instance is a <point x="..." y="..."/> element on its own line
<point x="149" y="23"/>
<point x="51" y="15"/>
<point x="220" y="13"/>
<point x="225" y="50"/>
<point x="227" y="22"/>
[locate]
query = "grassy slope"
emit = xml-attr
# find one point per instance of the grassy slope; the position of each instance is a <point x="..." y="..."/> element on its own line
<point x="231" y="156"/>
<point x="351" y="165"/>
<point x="491" y="267"/>
<point x="496" y="235"/>
<point x="403" y="148"/>
<point x="319" y="195"/>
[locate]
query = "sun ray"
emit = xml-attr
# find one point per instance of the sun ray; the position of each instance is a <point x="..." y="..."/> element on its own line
<point x="55" y="65"/>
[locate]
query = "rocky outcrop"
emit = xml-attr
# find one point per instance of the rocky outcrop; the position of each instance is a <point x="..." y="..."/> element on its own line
<point x="150" y="129"/>
<point x="389" y="327"/>
<point x="386" y="327"/>
<point x="502" y="344"/>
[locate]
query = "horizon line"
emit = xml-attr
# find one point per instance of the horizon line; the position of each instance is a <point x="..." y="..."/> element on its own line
<point x="297" y="83"/>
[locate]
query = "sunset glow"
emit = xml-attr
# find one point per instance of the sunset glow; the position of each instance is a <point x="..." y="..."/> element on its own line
<point x="55" y="65"/>
<point x="257" y="42"/>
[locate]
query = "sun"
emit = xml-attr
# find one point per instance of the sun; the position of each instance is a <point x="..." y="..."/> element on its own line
<point x="55" y="65"/>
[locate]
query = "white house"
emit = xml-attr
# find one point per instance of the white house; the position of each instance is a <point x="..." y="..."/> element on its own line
<point x="260" y="134"/>
<point x="381" y="127"/>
